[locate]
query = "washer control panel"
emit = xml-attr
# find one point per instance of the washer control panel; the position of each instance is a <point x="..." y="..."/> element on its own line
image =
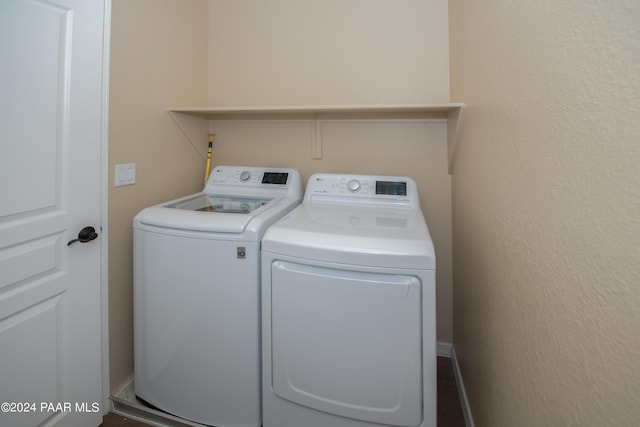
<point x="247" y="175"/>
<point x="390" y="190"/>
<point x="231" y="178"/>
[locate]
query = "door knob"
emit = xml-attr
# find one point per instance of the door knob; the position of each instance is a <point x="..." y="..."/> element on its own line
<point x="85" y="235"/>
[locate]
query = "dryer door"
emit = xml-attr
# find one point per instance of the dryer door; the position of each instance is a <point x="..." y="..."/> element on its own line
<point x="347" y="342"/>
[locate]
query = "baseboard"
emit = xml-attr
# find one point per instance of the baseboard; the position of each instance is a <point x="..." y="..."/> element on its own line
<point x="443" y="349"/>
<point x="466" y="409"/>
<point x="125" y="403"/>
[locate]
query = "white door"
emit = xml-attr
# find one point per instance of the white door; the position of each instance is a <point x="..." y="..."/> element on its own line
<point x="51" y="125"/>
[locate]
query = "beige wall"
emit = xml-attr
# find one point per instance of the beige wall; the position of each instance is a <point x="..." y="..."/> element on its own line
<point x="546" y="211"/>
<point x="310" y="52"/>
<point x="158" y="59"/>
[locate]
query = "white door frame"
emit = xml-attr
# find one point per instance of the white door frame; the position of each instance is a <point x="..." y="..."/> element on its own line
<point x="104" y="209"/>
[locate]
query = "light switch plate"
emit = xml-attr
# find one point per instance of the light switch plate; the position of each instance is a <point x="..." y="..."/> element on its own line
<point x="125" y="174"/>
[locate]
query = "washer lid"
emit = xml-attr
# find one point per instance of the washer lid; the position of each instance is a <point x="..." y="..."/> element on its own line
<point x="207" y="212"/>
<point x="394" y="238"/>
<point x="223" y="204"/>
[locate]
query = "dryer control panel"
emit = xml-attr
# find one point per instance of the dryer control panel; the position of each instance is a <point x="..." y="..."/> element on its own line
<point x="392" y="191"/>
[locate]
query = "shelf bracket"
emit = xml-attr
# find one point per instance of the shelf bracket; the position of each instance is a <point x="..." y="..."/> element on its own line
<point x="454" y="129"/>
<point x="316" y="138"/>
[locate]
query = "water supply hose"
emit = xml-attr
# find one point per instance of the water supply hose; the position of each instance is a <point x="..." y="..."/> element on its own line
<point x="207" y="167"/>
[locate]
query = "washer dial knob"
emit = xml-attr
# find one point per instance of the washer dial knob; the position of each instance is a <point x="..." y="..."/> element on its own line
<point x="353" y="185"/>
<point x="245" y="175"/>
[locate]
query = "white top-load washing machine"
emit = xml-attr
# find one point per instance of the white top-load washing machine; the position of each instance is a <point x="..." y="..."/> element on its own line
<point x="348" y="308"/>
<point x="197" y="295"/>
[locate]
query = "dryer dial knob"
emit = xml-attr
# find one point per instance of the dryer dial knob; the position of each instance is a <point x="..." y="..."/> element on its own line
<point x="353" y="185"/>
<point x="245" y="175"/>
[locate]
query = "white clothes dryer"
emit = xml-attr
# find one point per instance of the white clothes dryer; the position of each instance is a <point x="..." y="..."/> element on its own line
<point x="197" y="295"/>
<point x="348" y="308"/>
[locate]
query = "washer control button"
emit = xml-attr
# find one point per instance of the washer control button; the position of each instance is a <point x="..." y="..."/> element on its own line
<point x="245" y="175"/>
<point x="353" y="185"/>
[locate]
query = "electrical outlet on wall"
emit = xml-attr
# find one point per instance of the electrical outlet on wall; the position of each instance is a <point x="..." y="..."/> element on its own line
<point x="125" y="174"/>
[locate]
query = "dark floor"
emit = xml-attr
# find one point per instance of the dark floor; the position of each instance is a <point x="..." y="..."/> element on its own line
<point x="449" y="407"/>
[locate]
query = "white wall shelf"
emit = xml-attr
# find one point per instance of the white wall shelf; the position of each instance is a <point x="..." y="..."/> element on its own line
<point x="451" y="111"/>
<point x="319" y="109"/>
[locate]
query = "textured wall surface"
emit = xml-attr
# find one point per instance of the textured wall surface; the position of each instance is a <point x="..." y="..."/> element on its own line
<point x="546" y="211"/>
